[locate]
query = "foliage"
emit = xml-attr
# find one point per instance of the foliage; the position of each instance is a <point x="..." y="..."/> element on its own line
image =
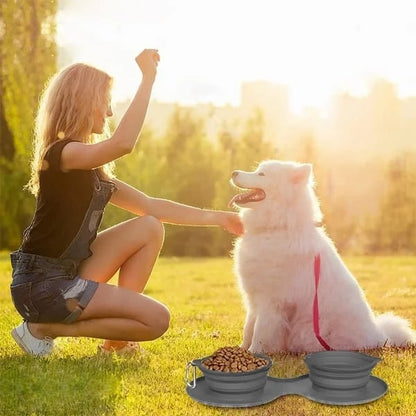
<point x="183" y="164"/>
<point x="206" y="314"/>
<point x="28" y="55"/>
<point x="187" y="175"/>
<point x="252" y="148"/>
<point x="394" y="228"/>
<point x="138" y="169"/>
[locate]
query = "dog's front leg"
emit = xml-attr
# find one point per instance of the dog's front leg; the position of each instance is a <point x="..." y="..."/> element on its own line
<point x="269" y="333"/>
<point x="248" y="329"/>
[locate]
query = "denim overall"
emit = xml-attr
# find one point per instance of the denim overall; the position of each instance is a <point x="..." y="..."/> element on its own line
<point x="46" y="289"/>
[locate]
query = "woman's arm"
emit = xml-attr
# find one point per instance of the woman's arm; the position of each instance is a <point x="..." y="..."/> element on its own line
<point x="77" y="155"/>
<point x="137" y="202"/>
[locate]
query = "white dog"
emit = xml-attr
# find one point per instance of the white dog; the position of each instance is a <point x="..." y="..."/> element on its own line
<point x="298" y="293"/>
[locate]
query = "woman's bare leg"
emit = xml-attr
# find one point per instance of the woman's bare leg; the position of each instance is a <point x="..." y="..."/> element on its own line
<point x="131" y="248"/>
<point x="113" y="313"/>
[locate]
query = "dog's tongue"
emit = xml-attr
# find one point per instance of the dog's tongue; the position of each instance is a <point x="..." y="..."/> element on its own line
<point x="250" y="196"/>
<point x="232" y="200"/>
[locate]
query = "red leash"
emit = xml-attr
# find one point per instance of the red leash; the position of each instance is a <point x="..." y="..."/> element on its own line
<point x="317" y="272"/>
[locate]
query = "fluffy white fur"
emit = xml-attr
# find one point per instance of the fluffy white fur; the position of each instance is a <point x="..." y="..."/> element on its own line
<point x="274" y="266"/>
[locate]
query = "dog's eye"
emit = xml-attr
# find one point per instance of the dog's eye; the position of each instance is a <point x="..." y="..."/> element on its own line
<point x="261" y="174"/>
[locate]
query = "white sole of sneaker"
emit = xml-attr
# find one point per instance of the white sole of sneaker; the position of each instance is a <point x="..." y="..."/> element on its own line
<point x="19" y="341"/>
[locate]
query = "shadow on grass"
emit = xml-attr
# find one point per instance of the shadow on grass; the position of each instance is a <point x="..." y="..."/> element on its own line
<point x="65" y="386"/>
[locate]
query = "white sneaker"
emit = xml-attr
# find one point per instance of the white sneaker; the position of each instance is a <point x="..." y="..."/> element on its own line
<point x="30" y="344"/>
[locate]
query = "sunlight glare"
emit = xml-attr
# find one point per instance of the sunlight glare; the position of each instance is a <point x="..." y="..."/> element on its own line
<point x="208" y="49"/>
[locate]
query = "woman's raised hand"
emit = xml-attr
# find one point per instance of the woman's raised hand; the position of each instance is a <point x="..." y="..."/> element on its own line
<point x="147" y="61"/>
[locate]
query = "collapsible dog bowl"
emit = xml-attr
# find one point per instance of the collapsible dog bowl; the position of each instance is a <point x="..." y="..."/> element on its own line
<point x="340" y="370"/>
<point x="241" y="382"/>
<point x="335" y="378"/>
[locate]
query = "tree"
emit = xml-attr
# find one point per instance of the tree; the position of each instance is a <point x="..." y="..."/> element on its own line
<point x="394" y="227"/>
<point x="188" y="175"/>
<point x="252" y="148"/>
<point x="27" y="60"/>
<point x="139" y="169"/>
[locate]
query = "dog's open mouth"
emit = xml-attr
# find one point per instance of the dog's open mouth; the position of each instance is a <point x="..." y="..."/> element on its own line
<point x="251" y="195"/>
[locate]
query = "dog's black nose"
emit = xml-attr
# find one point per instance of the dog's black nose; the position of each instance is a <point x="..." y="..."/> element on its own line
<point x="234" y="174"/>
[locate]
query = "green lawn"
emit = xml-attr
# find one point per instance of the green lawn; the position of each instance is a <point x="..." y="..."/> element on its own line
<point x="206" y="314"/>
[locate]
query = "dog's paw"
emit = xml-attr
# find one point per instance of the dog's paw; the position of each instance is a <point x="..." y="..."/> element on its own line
<point x="257" y="348"/>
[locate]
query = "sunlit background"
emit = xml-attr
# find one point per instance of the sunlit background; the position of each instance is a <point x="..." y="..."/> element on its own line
<point x="209" y="48"/>
<point x="335" y="81"/>
<point x="327" y="82"/>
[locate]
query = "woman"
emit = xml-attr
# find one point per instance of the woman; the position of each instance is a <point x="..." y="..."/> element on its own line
<point x="61" y="271"/>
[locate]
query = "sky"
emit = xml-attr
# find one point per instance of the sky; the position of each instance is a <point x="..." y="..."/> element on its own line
<point x="208" y="48"/>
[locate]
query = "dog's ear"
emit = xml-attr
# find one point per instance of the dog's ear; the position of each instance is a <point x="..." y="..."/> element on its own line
<point x="302" y="173"/>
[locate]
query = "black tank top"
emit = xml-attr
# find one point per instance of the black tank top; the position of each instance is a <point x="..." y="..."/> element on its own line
<point x="61" y="204"/>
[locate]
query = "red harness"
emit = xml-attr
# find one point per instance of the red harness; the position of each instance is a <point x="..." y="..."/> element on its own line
<point x="317" y="272"/>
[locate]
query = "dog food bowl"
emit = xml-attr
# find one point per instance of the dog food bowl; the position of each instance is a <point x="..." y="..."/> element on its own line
<point x="340" y="370"/>
<point x="241" y="382"/>
<point x="336" y="378"/>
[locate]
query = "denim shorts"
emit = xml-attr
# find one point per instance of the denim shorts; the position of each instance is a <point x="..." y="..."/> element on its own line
<point x="46" y="289"/>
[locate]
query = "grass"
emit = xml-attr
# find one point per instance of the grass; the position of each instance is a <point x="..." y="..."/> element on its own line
<point x="206" y="314"/>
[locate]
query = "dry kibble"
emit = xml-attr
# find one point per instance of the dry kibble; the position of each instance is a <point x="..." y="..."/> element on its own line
<point x="233" y="360"/>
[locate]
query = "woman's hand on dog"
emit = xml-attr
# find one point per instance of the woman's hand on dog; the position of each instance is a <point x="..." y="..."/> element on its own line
<point x="231" y="222"/>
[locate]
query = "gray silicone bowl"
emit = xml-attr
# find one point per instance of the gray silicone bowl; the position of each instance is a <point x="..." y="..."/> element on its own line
<point x="243" y="382"/>
<point x="340" y="370"/>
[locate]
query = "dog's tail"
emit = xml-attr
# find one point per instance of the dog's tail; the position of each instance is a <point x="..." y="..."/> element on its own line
<point x="396" y="329"/>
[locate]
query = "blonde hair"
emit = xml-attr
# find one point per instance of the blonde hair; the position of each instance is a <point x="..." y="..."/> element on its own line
<point x="66" y="110"/>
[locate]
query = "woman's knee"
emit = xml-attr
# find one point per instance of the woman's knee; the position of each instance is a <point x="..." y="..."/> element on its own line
<point x="160" y="323"/>
<point x="152" y="226"/>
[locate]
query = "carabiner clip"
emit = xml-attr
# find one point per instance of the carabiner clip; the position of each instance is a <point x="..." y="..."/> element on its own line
<point x="191" y="384"/>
